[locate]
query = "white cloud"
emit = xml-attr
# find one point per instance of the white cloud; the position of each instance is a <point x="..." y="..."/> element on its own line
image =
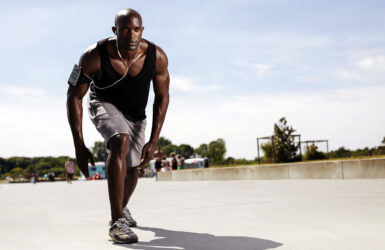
<point x="23" y="91"/>
<point x="349" y="75"/>
<point x="345" y="117"/>
<point x="262" y="69"/>
<point x="366" y="69"/>
<point x="308" y="79"/>
<point x="372" y="63"/>
<point x="34" y="123"/>
<point x="185" y="84"/>
<point x="259" y="69"/>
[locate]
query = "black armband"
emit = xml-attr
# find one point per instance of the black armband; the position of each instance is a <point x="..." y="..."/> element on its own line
<point x="77" y="76"/>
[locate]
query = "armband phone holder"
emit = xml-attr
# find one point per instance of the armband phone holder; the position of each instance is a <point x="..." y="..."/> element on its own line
<point x="77" y="76"/>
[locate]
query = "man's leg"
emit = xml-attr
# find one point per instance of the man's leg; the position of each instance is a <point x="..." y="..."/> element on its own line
<point x="116" y="173"/>
<point x="130" y="183"/>
<point x="137" y="142"/>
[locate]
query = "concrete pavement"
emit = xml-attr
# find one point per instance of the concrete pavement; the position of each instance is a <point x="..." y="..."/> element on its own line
<point x="245" y="215"/>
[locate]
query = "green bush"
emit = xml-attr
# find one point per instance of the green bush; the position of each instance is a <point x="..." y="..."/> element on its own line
<point x="18" y="172"/>
<point x="312" y="153"/>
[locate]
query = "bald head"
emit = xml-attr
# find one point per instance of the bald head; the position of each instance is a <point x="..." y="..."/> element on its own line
<point x="123" y="15"/>
<point x="128" y="29"/>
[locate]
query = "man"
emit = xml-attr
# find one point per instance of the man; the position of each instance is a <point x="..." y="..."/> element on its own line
<point x="206" y="162"/>
<point x="118" y="71"/>
<point x="158" y="155"/>
<point x="69" y="167"/>
<point x="174" y="162"/>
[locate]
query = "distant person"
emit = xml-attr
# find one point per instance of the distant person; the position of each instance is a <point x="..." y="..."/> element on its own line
<point x="69" y="167"/>
<point x="9" y="178"/>
<point x="206" y="162"/>
<point x="180" y="162"/>
<point x="158" y="155"/>
<point x="174" y="163"/>
<point x="165" y="165"/>
<point x="51" y="176"/>
<point x="33" y="177"/>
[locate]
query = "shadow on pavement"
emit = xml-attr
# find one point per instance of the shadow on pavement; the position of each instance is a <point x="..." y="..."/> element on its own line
<point x="199" y="241"/>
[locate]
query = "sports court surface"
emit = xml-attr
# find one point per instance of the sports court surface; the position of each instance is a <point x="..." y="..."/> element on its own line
<point x="220" y="215"/>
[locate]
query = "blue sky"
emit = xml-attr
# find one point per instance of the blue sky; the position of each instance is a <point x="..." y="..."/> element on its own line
<point x="236" y="67"/>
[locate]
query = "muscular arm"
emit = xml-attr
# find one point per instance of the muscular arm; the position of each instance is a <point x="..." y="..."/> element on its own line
<point x="75" y="110"/>
<point x="161" y="83"/>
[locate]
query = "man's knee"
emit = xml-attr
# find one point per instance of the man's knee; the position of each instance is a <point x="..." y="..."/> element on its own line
<point x="119" y="143"/>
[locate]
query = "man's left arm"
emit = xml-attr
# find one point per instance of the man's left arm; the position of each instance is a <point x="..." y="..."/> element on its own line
<point x="161" y="84"/>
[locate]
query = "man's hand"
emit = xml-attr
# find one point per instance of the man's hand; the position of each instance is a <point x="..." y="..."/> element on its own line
<point x="147" y="153"/>
<point x="83" y="154"/>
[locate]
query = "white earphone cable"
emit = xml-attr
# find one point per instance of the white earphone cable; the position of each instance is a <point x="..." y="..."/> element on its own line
<point x="125" y="64"/>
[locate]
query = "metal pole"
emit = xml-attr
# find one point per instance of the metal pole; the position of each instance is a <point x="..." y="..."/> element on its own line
<point x="327" y="147"/>
<point x="273" y="147"/>
<point x="259" y="160"/>
<point x="300" y="148"/>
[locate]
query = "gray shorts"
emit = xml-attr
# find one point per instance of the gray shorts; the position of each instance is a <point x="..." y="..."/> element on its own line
<point x="109" y="121"/>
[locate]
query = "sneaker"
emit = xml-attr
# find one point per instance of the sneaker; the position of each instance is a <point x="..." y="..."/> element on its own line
<point x="128" y="217"/>
<point x="120" y="232"/>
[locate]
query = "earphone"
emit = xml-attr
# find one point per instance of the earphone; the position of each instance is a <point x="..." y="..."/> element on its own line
<point x="127" y="67"/>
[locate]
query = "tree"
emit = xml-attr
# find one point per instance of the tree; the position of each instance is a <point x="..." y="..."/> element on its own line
<point x="13" y="162"/>
<point x="185" y="150"/>
<point x="267" y="149"/>
<point x="283" y="147"/>
<point x="168" y="149"/>
<point x="383" y="140"/>
<point x="163" y="142"/>
<point x="40" y="165"/>
<point x="18" y="172"/>
<point x="230" y="161"/>
<point x="363" y="152"/>
<point x="202" y="150"/>
<point x="312" y="153"/>
<point x="98" y="151"/>
<point x="340" y="153"/>
<point x="2" y="165"/>
<point x="217" y="150"/>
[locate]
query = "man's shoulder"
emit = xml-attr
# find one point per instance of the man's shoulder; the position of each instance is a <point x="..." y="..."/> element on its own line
<point x="160" y="54"/>
<point x="89" y="53"/>
<point x="161" y="59"/>
<point x="90" y="59"/>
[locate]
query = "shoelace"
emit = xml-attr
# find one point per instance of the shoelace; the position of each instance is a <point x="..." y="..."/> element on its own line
<point x="122" y="223"/>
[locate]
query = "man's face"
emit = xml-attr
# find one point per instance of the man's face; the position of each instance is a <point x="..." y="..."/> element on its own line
<point x="129" y="31"/>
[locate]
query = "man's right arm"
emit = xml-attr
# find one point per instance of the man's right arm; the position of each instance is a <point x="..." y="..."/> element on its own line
<point x="88" y="62"/>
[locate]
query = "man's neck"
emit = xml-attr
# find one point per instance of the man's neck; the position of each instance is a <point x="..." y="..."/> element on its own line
<point x="128" y="53"/>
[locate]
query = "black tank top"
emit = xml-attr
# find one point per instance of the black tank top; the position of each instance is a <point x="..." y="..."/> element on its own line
<point x="130" y="95"/>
